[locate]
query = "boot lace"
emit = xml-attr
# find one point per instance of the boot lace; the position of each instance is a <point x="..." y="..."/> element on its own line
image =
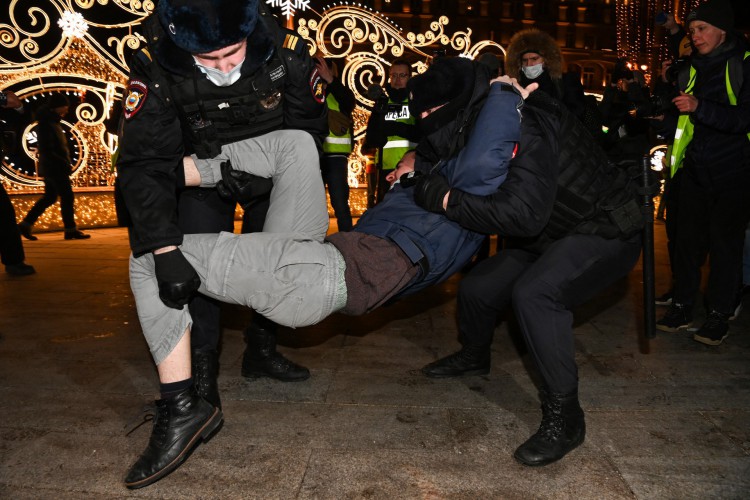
<point x="147" y="414"/>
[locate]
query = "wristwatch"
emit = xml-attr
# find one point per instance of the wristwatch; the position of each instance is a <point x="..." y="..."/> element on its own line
<point x="3" y="99"/>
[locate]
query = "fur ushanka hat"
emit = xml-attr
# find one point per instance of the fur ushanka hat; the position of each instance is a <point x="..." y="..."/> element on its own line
<point x="200" y="26"/>
<point x="533" y="40"/>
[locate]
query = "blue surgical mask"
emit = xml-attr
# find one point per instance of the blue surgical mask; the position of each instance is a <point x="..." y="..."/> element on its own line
<point x="218" y="77"/>
<point x="533" y="72"/>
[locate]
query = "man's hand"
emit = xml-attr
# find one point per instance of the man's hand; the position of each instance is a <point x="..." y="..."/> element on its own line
<point x="431" y="193"/>
<point x="524" y="91"/>
<point x="686" y="103"/>
<point x="177" y="279"/>
<point x="242" y="187"/>
<point x="323" y="69"/>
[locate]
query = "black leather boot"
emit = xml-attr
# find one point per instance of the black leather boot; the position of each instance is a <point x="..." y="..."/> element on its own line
<point x="179" y="424"/>
<point x="563" y="428"/>
<point x="470" y="360"/>
<point x="206" y="374"/>
<point x="261" y="358"/>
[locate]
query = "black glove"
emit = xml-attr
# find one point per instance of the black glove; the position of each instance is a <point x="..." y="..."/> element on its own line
<point x="410" y="179"/>
<point x="430" y="191"/>
<point x="177" y="279"/>
<point x="242" y="187"/>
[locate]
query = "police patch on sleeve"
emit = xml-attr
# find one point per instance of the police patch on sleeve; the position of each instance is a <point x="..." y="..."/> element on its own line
<point x="316" y="87"/>
<point x="134" y="98"/>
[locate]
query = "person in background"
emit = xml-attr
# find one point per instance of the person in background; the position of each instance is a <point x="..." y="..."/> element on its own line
<point x="675" y="32"/>
<point x="534" y="57"/>
<point x="712" y="147"/>
<point x="391" y="128"/>
<point x="55" y="166"/>
<point x="11" y="248"/>
<point x="338" y="144"/>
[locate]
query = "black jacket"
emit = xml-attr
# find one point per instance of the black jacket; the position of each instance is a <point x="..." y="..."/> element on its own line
<point x="152" y="144"/>
<point x="719" y="154"/>
<point x="54" y="154"/>
<point x="555" y="154"/>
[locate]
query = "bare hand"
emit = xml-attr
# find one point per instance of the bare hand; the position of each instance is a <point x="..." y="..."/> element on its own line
<point x="524" y="91"/>
<point x="323" y="69"/>
<point x="686" y="103"/>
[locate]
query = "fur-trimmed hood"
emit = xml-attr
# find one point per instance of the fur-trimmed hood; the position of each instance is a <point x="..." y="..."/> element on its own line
<point x="534" y="40"/>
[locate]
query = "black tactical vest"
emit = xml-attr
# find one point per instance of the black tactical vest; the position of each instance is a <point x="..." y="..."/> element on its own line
<point x="212" y="116"/>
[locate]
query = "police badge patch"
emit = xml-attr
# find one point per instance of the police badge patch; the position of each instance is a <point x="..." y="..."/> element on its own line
<point x="316" y="86"/>
<point x="134" y="98"/>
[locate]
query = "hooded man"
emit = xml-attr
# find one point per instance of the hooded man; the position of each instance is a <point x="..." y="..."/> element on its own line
<point x="534" y="57"/>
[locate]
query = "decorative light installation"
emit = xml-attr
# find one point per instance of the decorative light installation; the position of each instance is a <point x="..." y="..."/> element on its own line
<point x="290" y="7"/>
<point x="82" y="48"/>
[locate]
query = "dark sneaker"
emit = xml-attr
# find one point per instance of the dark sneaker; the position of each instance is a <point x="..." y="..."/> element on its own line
<point x="471" y="360"/>
<point x="76" y="235"/>
<point x="25" y="229"/>
<point x="21" y="269"/>
<point x="665" y="299"/>
<point x="714" y="330"/>
<point x="678" y="317"/>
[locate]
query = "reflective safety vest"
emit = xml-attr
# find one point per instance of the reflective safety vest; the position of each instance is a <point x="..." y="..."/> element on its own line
<point x="396" y="146"/>
<point x="684" y="133"/>
<point x="337" y="144"/>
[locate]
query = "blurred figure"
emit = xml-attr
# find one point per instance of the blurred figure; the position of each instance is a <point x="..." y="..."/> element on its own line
<point x="675" y="31"/>
<point x="11" y="247"/>
<point x="622" y="110"/>
<point x="338" y="144"/>
<point x="391" y="128"/>
<point x="55" y="167"/>
<point x="712" y="146"/>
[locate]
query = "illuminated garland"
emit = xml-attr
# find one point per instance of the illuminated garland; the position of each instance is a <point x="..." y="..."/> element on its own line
<point x="65" y="46"/>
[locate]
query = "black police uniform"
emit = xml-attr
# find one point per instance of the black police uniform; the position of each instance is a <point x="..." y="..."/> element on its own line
<point x="172" y="110"/>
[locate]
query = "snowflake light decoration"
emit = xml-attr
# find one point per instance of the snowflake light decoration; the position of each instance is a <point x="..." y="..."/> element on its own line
<point x="73" y="24"/>
<point x="289" y="7"/>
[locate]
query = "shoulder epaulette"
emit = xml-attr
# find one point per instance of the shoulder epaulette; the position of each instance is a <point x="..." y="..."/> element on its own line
<point x="144" y="55"/>
<point x="293" y="42"/>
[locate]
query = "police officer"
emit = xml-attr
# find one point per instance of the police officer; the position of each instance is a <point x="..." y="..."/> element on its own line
<point x="338" y="144"/>
<point x="215" y="72"/>
<point x="391" y="127"/>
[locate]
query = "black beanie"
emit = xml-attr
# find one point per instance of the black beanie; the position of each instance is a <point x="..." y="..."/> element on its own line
<point x="717" y="13"/>
<point x="58" y="101"/>
<point x="200" y="26"/>
<point x="447" y="80"/>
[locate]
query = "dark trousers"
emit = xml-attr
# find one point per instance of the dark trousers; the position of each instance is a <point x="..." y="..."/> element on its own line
<point x="54" y="186"/>
<point x="335" y="170"/>
<point x="670" y="225"/>
<point x="11" y="248"/>
<point x="543" y="289"/>
<point x="204" y="211"/>
<point x="710" y="222"/>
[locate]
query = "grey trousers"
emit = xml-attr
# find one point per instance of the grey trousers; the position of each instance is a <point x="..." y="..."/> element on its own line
<point x="286" y="274"/>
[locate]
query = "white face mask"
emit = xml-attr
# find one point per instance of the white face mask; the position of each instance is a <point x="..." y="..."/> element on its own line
<point x="218" y="77"/>
<point x="534" y="71"/>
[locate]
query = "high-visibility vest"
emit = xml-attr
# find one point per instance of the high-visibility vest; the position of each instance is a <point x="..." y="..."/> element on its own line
<point x="397" y="146"/>
<point x="337" y="144"/>
<point x="685" y="128"/>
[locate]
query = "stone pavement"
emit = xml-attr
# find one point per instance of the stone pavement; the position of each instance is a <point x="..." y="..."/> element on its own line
<point x="669" y="420"/>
